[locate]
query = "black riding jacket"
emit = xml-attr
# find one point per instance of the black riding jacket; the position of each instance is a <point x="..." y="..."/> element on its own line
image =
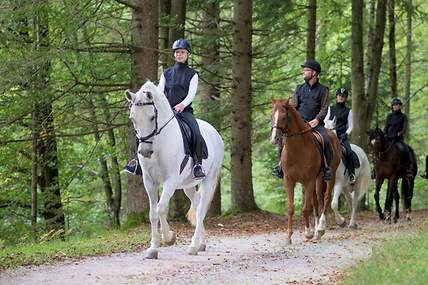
<point x="311" y="101"/>
<point x="341" y="112"/>
<point x="177" y="81"/>
<point x="395" y="125"/>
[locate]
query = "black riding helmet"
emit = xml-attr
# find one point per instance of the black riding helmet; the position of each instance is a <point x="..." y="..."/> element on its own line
<point x="182" y="43"/>
<point x="396" y="101"/>
<point x="342" y="91"/>
<point x="312" y="64"/>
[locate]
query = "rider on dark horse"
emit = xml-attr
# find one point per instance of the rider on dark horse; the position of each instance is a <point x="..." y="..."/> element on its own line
<point x="180" y="83"/>
<point x="343" y="116"/>
<point x="311" y="100"/>
<point x="395" y="128"/>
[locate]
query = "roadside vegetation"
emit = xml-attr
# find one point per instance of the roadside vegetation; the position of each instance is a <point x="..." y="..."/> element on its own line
<point x="401" y="261"/>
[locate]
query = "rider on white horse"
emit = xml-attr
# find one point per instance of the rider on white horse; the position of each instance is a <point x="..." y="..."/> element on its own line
<point x="179" y="83"/>
<point x="343" y="116"/>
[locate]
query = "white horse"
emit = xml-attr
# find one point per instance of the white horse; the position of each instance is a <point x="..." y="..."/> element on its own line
<point x="355" y="192"/>
<point x="160" y="154"/>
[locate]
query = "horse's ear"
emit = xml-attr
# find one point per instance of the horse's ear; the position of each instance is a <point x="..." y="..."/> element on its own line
<point x="129" y="95"/>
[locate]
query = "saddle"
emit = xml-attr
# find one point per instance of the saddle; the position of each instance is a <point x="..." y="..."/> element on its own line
<point x="320" y="142"/>
<point x="187" y="136"/>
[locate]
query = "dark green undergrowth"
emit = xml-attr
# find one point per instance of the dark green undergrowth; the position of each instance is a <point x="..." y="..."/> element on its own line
<point x="103" y="243"/>
<point x="401" y="261"/>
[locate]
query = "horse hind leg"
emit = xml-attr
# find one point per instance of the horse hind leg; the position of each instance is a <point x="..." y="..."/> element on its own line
<point x="335" y="205"/>
<point x="205" y="193"/>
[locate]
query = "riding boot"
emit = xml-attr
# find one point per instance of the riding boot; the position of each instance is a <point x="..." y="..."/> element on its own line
<point x="133" y="167"/>
<point x="198" y="173"/>
<point x="425" y="174"/>
<point x="277" y="170"/>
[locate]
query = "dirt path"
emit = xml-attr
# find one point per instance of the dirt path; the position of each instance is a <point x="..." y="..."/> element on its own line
<point x="256" y="255"/>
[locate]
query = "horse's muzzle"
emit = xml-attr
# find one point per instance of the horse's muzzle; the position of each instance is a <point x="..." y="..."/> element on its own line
<point x="146" y="153"/>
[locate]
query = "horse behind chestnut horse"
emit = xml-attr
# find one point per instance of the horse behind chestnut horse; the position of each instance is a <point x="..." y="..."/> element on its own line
<point x="388" y="164"/>
<point x="302" y="162"/>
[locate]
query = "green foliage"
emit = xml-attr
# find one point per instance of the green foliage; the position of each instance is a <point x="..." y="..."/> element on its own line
<point x="99" y="243"/>
<point x="400" y="261"/>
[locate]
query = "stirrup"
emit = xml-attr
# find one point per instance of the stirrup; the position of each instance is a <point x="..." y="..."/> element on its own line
<point x="198" y="173"/>
<point x="277" y="171"/>
<point x="352" y="179"/>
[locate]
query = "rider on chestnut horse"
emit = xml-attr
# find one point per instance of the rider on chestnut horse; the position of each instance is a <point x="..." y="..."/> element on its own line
<point x="311" y="101"/>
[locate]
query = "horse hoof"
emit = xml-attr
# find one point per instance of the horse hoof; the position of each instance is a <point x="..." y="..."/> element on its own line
<point x="381" y="217"/>
<point x="408" y="219"/>
<point x="353" y="226"/>
<point x="342" y="224"/>
<point x="319" y="234"/>
<point x="309" y="235"/>
<point x="152" y="253"/>
<point x="192" y="250"/>
<point x="288" y="242"/>
<point x="203" y="247"/>
<point x="172" y="240"/>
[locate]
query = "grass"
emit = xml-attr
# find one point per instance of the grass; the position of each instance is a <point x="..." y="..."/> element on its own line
<point x="401" y="261"/>
<point x="104" y="243"/>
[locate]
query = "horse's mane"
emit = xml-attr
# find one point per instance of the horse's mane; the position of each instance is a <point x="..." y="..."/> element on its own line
<point x="289" y="106"/>
<point x="158" y="97"/>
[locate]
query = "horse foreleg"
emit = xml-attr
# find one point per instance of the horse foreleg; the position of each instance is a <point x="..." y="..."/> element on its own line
<point x="397" y="202"/>
<point x="307" y="210"/>
<point x="379" y="182"/>
<point x="324" y="198"/>
<point x="168" y="236"/>
<point x="353" y="203"/>
<point x="335" y="204"/>
<point x="392" y="184"/>
<point x="289" y="187"/>
<point x="152" y="192"/>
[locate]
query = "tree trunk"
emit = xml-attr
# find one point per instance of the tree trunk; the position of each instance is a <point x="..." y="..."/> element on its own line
<point x="359" y="99"/>
<point x="376" y="59"/>
<point x="145" y="56"/>
<point x="392" y="53"/>
<point x="46" y="139"/>
<point x="179" y="202"/>
<point x="164" y="43"/>
<point x="210" y="84"/>
<point x="178" y="19"/>
<point x="34" y="162"/>
<point x="311" y="35"/>
<point x="408" y="62"/>
<point x="241" y="177"/>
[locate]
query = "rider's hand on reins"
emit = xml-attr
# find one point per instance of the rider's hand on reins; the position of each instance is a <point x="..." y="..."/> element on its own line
<point x="313" y="123"/>
<point x="179" y="108"/>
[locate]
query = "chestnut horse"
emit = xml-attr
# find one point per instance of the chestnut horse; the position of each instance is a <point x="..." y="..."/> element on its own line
<point x="302" y="162"/>
<point x="389" y="165"/>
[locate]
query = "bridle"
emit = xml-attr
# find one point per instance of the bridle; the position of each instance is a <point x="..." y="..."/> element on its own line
<point x="285" y="132"/>
<point x="156" y="131"/>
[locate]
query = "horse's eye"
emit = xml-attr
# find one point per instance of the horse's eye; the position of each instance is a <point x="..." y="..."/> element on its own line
<point x="152" y="118"/>
<point x="149" y="95"/>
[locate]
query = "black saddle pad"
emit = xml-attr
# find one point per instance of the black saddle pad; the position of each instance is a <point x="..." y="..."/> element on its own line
<point x="355" y="159"/>
<point x="187" y="139"/>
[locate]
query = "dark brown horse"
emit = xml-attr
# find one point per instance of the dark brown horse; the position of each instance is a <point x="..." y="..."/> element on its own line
<point x="388" y="164"/>
<point x="301" y="162"/>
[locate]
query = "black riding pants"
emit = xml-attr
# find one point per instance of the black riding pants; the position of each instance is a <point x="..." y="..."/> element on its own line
<point x="197" y="140"/>
<point x="348" y="160"/>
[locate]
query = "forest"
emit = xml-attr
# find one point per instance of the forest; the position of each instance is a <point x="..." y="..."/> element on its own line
<point x="65" y="135"/>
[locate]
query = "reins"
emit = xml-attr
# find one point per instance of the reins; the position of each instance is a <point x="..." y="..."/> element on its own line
<point x="155" y="131"/>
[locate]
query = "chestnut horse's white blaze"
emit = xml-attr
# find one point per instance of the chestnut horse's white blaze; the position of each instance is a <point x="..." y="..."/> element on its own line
<point x="274" y="137"/>
<point x="161" y="153"/>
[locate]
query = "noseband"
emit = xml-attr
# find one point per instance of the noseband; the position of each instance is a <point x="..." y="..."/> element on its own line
<point x="155" y="131"/>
